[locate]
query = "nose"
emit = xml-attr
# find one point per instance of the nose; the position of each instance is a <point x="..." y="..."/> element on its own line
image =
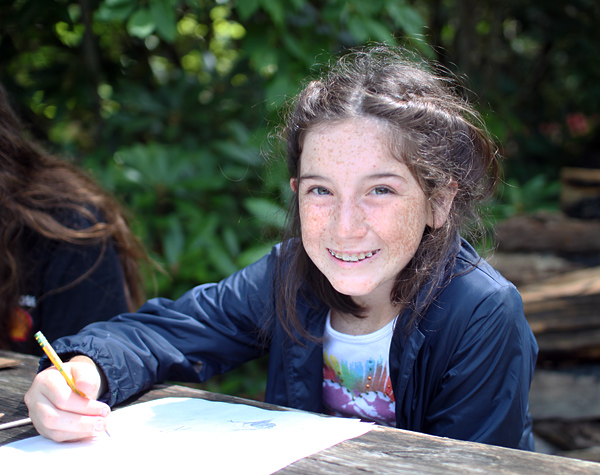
<point x="349" y="219"/>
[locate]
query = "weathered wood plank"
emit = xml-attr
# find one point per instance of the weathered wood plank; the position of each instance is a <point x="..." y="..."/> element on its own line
<point x="14" y="382"/>
<point x="591" y="453"/>
<point x="564" y="313"/>
<point x="379" y="452"/>
<point x="569" y="436"/>
<point x="523" y="268"/>
<point x="548" y="232"/>
<point x="578" y="283"/>
<point x="382" y="451"/>
<point x="564" y="395"/>
<point x="580" y="187"/>
<point x="582" y="344"/>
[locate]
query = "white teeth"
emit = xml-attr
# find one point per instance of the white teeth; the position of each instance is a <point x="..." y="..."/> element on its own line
<point x="352" y="257"/>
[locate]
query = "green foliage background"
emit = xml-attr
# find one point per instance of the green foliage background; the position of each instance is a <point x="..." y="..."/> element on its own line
<point x="171" y="104"/>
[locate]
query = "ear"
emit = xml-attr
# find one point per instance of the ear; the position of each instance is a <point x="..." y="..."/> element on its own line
<point x="294" y="184"/>
<point x="440" y="204"/>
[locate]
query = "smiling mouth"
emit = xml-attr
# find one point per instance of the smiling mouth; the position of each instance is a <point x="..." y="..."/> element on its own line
<point x="361" y="256"/>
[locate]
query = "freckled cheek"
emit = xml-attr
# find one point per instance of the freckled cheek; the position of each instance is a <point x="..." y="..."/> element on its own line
<point x="406" y="235"/>
<point x="313" y="225"/>
<point x="313" y="220"/>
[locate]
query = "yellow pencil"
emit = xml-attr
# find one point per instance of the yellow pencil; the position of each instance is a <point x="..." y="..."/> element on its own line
<point x="56" y="361"/>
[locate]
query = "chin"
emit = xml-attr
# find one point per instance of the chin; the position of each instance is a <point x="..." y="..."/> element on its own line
<point x="352" y="290"/>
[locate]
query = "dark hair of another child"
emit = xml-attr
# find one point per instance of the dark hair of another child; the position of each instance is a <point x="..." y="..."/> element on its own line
<point x="34" y="187"/>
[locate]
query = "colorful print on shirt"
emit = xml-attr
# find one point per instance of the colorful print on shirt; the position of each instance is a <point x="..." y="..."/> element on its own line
<point x="358" y="389"/>
<point x="356" y="381"/>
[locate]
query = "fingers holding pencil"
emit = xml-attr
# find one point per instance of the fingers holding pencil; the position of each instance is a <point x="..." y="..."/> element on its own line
<point x="59" y="399"/>
<point x="57" y="362"/>
<point x="57" y="412"/>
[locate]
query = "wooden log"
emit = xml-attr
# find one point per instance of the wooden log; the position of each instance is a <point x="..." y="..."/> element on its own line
<point x="14" y="381"/>
<point x="564" y="395"/>
<point x="580" y="192"/>
<point x="383" y="450"/>
<point x="564" y="313"/>
<point x="523" y="268"/>
<point x="577" y="184"/>
<point x="548" y="232"/>
<point x="590" y="453"/>
<point x="583" y="282"/>
<point x="567" y="435"/>
<point x="433" y="456"/>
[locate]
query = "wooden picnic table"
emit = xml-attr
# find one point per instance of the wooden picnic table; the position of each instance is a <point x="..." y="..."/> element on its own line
<point x="383" y="450"/>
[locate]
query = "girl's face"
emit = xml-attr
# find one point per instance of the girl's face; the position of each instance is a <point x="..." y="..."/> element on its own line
<point x="362" y="212"/>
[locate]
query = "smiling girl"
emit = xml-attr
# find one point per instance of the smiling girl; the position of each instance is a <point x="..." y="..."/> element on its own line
<point x="373" y="306"/>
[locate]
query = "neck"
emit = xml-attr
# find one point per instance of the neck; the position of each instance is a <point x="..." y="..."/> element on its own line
<point x="377" y="316"/>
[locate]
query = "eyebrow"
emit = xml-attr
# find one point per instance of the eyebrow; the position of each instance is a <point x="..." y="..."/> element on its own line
<point x="311" y="177"/>
<point x="375" y="176"/>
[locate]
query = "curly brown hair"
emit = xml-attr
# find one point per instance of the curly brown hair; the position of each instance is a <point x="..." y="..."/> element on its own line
<point x="430" y="128"/>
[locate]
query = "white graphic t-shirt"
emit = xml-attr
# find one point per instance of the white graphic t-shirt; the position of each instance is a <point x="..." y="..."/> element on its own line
<point x="356" y="380"/>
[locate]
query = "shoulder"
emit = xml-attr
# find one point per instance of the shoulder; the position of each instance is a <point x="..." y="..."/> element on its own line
<point x="476" y="294"/>
<point x="479" y="312"/>
<point x="475" y="278"/>
<point x="470" y="267"/>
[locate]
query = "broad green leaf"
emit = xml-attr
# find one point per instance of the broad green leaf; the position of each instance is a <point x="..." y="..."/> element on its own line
<point x="164" y="16"/>
<point x="173" y="241"/>
<point x="239" y="131"/>
<point x="141" y="24"/>
<point x="358" y="30"/>
<point x="296" y="48"/>
<point x="279" y="90"/>
<point x="246" y="8"/>
<point x="266" y="211"/>
<point x="275" y="10"/>
<point x="261" y="54"/>
<point x="406" y="17"/>
<point x="377" y="30"/>
<point x="231" y="241"/>
<point x="236" y="152"/>
<point x="119" y="11"/>
<point x="298" y="4"/>
<point x="117" y="3"/>
<point x="252" y="254"/>
<point x="366" y="29"/>
<point x="220" y="259"/>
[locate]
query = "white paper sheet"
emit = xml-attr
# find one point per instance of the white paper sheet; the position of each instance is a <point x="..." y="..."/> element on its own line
<point x="176" y="434"/>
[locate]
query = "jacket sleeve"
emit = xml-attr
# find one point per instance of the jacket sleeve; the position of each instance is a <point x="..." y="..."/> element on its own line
<point x="210" y="329"/>
<point x="483" y="393"/>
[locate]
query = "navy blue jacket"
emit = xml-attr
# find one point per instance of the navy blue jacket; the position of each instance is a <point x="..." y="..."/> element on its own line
<point x="463" y="372"/>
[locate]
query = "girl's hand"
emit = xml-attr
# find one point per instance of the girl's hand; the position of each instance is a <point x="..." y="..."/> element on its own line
<point x="61" y="415"/>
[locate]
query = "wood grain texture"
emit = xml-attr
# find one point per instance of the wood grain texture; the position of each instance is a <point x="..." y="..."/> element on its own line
<point x="14" y="382"/>
<point x="384" y="450"/>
